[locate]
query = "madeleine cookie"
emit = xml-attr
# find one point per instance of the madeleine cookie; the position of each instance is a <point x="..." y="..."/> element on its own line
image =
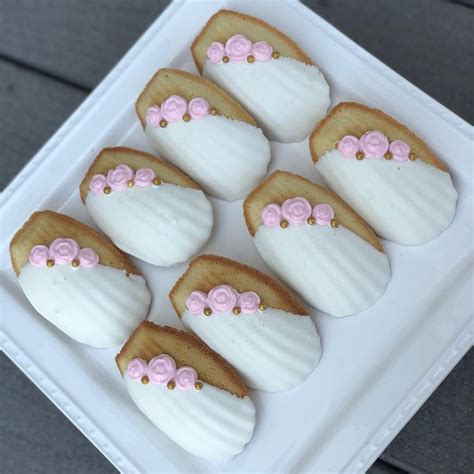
<point x="317" y="244"/>
<point x="149" y="209"/>
<point x="252" y="320"/>
<point x="78" y="280"/>
<point x="265" y="71"/>
<point x="203" y="131"/>
<point x="187" y="391"/>
<point x="385" y="172"/>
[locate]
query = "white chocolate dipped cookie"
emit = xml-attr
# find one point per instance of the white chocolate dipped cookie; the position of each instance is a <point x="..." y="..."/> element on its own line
<point x="250" y="319"/>
<point x="266" y="71"/>
<point x="203" y="131"/>
<point x="76" y="279"/>
<point x="317" y="244"/>
<point x="149" y="209"/>
<point x="187" y="391"/>
<point x="385" y="172"/>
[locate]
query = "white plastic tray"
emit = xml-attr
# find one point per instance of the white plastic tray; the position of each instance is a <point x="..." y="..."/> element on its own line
<point x="377" y="368"/>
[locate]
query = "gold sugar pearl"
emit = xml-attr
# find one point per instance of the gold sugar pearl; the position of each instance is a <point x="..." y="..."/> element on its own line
<point x="145" y="379"/>
<point x="156" y="181"/>
<point x="311" y="220"/>
<point x="359" y="155"/>
<point x="284" y="224"/>
<point x="198" y="385"/>
<point x="50" y="263"/>
<point x="225" y="59"/>
<point x="275" y="55"/>
<point x="262" y="307"/>
<point x="207" y="311"/>
<point x="186" y="117"/>
<point x="171" y="385"/>
<point x="130" y="183"/>
<point x="75" y="263"/>
<point x="163" y="123"/>
<point x="412" y="156"/>
<point x="213" y="111"/>
<point x="107" y="190"/>
<point x="388" y="156"/>
<point x="250" y="59"/>
<point x="334" y="223"/>
<point x="236" y="310"/>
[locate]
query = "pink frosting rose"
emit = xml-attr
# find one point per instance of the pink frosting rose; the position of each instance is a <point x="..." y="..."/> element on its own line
<point x="238" y="47"/>
<point x="198" y="108"/>
<point x="271" y="215"/>
<point x="348" y="146"/>
<point x="88" y="258"/>
<point x="144" y="177"/>
<point x="137" y="368"/>
<point x="222" y="298"/>
<point x="39" y="255"/>
<point x="153" y="116"/>
<point x="399" y="150"/>
<point x="323" y="213"/>
<point x="173" y="108"/>
<point x="262" y="51"/>
<point x="215" y="52"/>
<point x="119" y="177"/>
<point x="196" y="302"/>
<point x="64" y="251"/>
<point x="185" y="378"/>
<point x="374" y="144"/>
<point x="97" y="184"/>
<point x="161" y="369"/>
<point x="296" y="210"/>
<point x="248" y="302"/>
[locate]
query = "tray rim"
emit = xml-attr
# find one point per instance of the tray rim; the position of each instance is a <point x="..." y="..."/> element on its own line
<point x="417" y="396"/>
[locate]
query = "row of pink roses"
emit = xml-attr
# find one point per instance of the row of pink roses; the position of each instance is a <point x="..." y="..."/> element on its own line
<point x="237" y="49"/>
<point x="162" y="370"/>
<point x="373" y="145"/>
<point x="297" y="211"/>
<point x="176" y="108"/>
<point x="63" y="251"/>
<point x="222" y="299"/>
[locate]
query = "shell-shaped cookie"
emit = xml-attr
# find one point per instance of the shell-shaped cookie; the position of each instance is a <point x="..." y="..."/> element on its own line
<point x="317" y="244"/>
<point x="258" y="326"/>
<point x="78" y="280"/>
<point x="265" y="71"/>
<point x="200" y="129"/>
<point x="213" y="421"/>
<point x="408" y="199"/>
<point x="162" y="218"/>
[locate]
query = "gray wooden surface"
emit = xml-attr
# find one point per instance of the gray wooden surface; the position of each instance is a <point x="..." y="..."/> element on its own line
<point x="53" y="52"/>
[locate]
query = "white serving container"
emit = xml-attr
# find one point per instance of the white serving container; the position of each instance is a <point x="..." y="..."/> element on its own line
<point x="377" y="367"/>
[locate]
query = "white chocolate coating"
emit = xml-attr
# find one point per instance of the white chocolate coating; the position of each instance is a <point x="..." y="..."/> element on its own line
<point x="226" y="157"/>
<point x="98" y="306"/>
<point x="285" y="96"/>
<point x="332" y="269"/>
<point x="272" y="350"/>
<point x="408" y="202"/>
<point x="210" y="423"/>
<point x="161" y="225"/>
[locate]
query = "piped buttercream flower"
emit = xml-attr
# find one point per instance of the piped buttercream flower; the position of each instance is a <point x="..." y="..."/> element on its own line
<point x="88" y="258"/>
<point x="348" y="146"/>
<point x="262" y="51"/>
<point x="323" y="213"/>
<point x="137" y="368"/>
<point x="161" y="369"/>
<point x="64" y="251"/>
<point x="119" y="177"/>
<point x="97" y="184"/>
<point x="238" y="47"/>
<point x="399" y="150"/>
<point x="198" y="108"/>
<point x="173" y="108"/>
<point x="248" y="302"/>
<point x="153" y="116"/>
<point x="196" y="302"/>
<point x="271" y="215"/>
<point x="215" y="52"/>
<point x="374" y="144"/>
<point x="222" y="298"/>
<point x="296" y="210"/>
<point x="185" y="378"/>
<point x="39" y="256"/>
<point x="144" y="177"/>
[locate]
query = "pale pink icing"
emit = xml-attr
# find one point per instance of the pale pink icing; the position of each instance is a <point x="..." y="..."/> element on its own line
<point x="399" y="150"/>
<point x="137" y="368"/>
<point x="238" y="47"/>
<point x="185" y="378"/>
<point x="161" y="369"/>
<point x="271" y="215"/>
<point x="348" y="146"/>
<point x="88" y="258"/>
<point x="39" y="255"/>
<point x="196" y="302"/>
<point x="296" y="210"/>
<point x="119" y="177"/>
<point x="323" y="213"/>
<point x="248" y="302"/>
<point x="97" y="184"/>
<point x="153" y="116"/>
<point x="374" y="144"/>
<point x="198" y="108"/>
<point x="144" y="177"/>
<point x="173" y="108"/>
<point x="222" y="298"/>
<point x="262" y="51"/>
<point x="64" y="250"/>
<point x="215" y="52"/>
